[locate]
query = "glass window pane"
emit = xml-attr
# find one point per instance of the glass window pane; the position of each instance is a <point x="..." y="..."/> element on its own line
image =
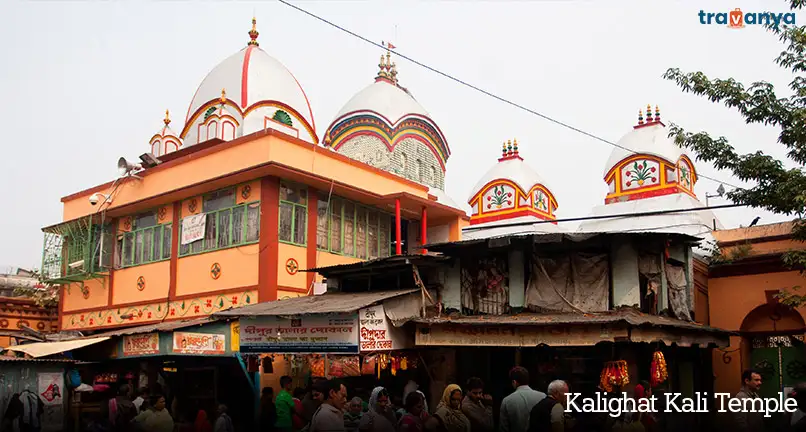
<point x="361" y="232"/>
<point x="349" y="228"/>
<point x="253" y="222"/>
<point x="300" y="225"/>
<point x="286" y="217"/>
<point x="224" y="217"/>
<point x="292" y="194"/>
<point x="218" y="200"/>
<point x="148" y="244"/>
<point x="335" y="225"/>
<point x="372" y="234"/>
<point x="119" y="251"/>
<point x="384" y="235"/>
<point x="238" y="214"/>
<point x="138" y="247"/>
<point x="167" y="233"/>
<point x="321" y="223"/>
<point x="128" y="249"/>
<point x="209" y="233"/>
<point x="145" y="220"/>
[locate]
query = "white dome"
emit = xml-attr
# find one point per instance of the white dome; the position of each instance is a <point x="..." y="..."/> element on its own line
<point x="652" y="139"/>
<point x="386" y="99"/>
<point x="515" y="170"/>
<point x="252" y="79"/>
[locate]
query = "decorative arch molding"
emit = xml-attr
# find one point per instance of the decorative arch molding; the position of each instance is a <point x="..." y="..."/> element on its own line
<point x="773" y="318"/>
<point x="372" y="123"/>
<point x="504" y="199"/>
<point x="645" y="175"/>
<point x="230" y="104"/>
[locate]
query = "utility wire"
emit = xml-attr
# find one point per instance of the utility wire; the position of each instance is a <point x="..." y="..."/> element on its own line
<point x="610" y="216"/>
<point x="479" y="89"/>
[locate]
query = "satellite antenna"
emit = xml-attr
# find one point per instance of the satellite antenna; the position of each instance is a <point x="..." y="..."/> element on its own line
<point x="125" y="168"/>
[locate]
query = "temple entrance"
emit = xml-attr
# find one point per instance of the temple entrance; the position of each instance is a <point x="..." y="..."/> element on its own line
<point x="774" y="335"/>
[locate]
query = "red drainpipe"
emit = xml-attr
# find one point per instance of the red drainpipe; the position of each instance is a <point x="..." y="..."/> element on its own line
<point x="398" y="240"/>
<point x="424" y="229"/>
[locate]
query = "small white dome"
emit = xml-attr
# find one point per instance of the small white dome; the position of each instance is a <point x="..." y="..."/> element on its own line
<point x="652" y="139"/>
<point x="515" y="170"/>
<point x="386" y="99"/>
<point x="254" y="81"/>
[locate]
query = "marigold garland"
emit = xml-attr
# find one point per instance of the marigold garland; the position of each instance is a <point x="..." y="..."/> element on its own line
<point x="614" y="373"/>
<point x="658" y="371"/>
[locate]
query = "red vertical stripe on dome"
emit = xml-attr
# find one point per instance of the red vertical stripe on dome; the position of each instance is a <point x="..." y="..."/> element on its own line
<point x="245" y="75"/>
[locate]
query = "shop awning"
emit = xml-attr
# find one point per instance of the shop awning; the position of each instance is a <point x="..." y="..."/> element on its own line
<point x="566" y="329"/>
<point x="44" y="349"/>
<point x="338" y="302"/>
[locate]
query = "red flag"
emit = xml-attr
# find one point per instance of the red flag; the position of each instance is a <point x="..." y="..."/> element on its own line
<point x="390" y="46"/>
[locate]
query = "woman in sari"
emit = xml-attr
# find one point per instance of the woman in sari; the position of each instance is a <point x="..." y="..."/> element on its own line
<point x="202" y="424"/>
<point x="449" y="410"/>
<point x="380" y="417"/>
<point x="414" y="418"/>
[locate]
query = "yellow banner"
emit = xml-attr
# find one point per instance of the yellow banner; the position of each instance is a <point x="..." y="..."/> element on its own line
<point x="235" y="336"/>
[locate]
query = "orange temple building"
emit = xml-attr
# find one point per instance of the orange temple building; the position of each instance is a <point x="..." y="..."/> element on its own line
<point x="231" y="209"/>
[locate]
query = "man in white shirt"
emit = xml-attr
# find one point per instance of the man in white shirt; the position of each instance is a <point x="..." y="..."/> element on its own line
<point x="516" y="407"/>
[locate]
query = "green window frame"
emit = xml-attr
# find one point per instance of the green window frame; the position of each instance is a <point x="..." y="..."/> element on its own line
<point x="352" y="229"/>
<point x="292" y="226"/>
<point x="229" y="227"/>
<point x="145" y="245"/>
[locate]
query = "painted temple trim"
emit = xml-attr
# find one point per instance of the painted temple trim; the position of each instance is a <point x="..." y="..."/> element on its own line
<point x="345" y="118"/>
<point x="162" y="301"/>
<point x="193" y="152"/>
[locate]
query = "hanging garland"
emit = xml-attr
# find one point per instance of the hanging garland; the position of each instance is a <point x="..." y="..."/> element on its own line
<point x="658" y="371"/>
<point x="614" y="374"/>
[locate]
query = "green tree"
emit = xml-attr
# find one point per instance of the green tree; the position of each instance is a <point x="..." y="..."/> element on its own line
<point x="775" y="187"/>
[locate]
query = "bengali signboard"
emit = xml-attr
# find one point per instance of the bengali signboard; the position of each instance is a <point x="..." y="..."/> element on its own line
<point x="376" y="333"/>
<point x="193" y="228"/>
<point x="141" y="344"/>
<point x="199" y="343"/>
<point x="511" y="336"/>
<point x="308" y="334"/>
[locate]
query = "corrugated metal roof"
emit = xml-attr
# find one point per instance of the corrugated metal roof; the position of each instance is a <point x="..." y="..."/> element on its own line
<point x="543" y="237"/>
<point x="391" y="260"/>
<point x="626" y="316"/>
<point x="41" y="360"/>
<point x="159" y="327"/>
<point x="320" y="304"/>
<point x="44" y="349"/>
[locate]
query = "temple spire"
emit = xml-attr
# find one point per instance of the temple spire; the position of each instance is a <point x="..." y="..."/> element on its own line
<point x="167" y="119"/>
<point x="253" y="34"/>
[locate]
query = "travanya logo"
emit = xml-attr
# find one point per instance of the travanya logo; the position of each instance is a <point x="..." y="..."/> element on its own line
<point x="737" y="19"/>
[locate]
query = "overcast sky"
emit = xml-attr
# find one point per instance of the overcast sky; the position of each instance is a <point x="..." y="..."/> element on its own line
<point x="87" y="82"/>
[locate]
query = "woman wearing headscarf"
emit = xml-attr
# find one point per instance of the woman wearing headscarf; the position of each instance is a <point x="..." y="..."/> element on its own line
<point x="380" y="417"/>
<point x="449" y="410"/>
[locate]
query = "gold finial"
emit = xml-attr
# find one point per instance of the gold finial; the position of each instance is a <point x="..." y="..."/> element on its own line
<point x="253" y="34"/>
<point x="509" y="147"/>
<point x="167" y="119"/>
<point x="515" y="146"/>
<point x="657" y="113"/>
<point x="648" y="113"/>
<point x="640" y="116"/>
<point x="223" y="96"/>
<point x="504" y="150"/>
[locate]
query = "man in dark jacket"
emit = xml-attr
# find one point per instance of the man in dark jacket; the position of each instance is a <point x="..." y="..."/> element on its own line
<point x="749" y="421"/>
<point x="549" y="414"/>
<point x="477" y="407"/>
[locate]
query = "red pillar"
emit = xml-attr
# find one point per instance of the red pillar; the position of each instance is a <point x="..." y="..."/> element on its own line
<point x="398" y="239"/>
<point x="424" y="229"/>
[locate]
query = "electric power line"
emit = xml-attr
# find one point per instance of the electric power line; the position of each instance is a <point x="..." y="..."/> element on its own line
<point x="479" y="89"/>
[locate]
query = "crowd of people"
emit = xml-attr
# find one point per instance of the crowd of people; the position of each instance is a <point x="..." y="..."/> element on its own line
<point x="325" y="407"/>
